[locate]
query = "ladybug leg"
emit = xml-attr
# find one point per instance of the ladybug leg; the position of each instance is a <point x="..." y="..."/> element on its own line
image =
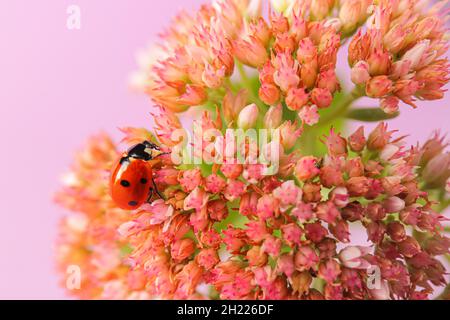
<point x="156" y="190"/>
<point x="150" y="195"/>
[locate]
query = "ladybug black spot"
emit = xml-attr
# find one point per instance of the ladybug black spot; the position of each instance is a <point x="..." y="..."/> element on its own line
<point x="144" y="181"/>
<point x="124" y="183"/>
<point x="132" y="203"/>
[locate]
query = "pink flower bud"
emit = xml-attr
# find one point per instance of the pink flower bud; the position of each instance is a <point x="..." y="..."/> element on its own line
<point x="437" y="170"/>
<point x="389" y="151"/>
<point x="360" y="72"/>
<point x="197" y="199"/>
<point x="327" y="211"/>
<point x="389" y="104"/>
<point x="330" y="176"/>
<point x="309" y="115"/>
<point x="292" y="233"/>
<point x="414" y="55"/>
<point x="336" y="145"/>
<point x="214" y="183"/>
<point x="207" y="258"/>
<point x="288" y="193"/>
<point x="289" y="134"/>
<point x="357" y="141"/>
<point x="284" y="42"/>
<point x="217" y="209"/>
<point x="285" y="264"/>
<point x="272" y="246"/>
<point x="305" y="258"/>
<point x="393" y="204"/>
<point x="431" y="148"/>
<point x="269" y="93"/>
<point x="340" y="230"/>
<point x="248" y="116"/>
<point x="233" y="104"/>
<point x="193" y="96"/>
<point x="379" y="62"/>
<point x="248" y="204"/>
<point x="378" y="86"/>
<point x="266" y="207"/>
<point x="300" y="282"/>
<point x="375" y="211"/>
<point x="306" y="168"/>
<point x="409" y="247"/>
<point x="303" y="212"/>
<point x="308" y="74"/>
<point x="327" y="80"/>
<point x="352" y="257"/>
<point x="320" y="8"/>
<point x="315" y="232"/>
<point x="376" y="231"/>
<point x="340" y="197"/>
<point x="353" y="212"/>
<point x="358" y="186"/>
<point x="273" y="117"/>
<point x="250" y="51"/>
<point x="182" y="249"/>
<point x="379" y="137"/>
<point x="306" y="52"/>
<point x="256" y="230"/>
<point x="256" y="257"/>
<point x="352" y="13"/>
<point x="329" y="270"/>
<point x="296" y="98"/>
<point x="321" y="97"/>
<point x="396" y="231"/>
<point x="260" y="30"/>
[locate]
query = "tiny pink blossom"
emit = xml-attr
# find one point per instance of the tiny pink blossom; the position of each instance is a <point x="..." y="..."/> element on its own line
<point x="309" y="115"/>
<point x="285" y="264"/>
<point x="306" y="168"/>
<point x="197" y="199"/>
<point x="303" y="212"/>
<point x="272" y="245"/>
<point x="234" y="189"/>
<point x="288" y="193"/>
<point x="160" y="211"/>
<point x="214" y="183"/>
<point x="266" y="207"/>
<point x="292" y="233"/>
<point x="256" y="230"/>
<point x="352" y="257"/>
<point x="305" y="258"/>
<point x="329" y="270"/>
<point x="190" y="179"/>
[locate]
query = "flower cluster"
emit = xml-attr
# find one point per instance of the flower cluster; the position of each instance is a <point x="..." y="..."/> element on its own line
<point x="233" y="229"/>
<point x="401" y="54"/>
<point x="197" y="55"/>
<point x="88" y="238"/>
<point x="288" y="235"/>
<point x="301" y="69"/>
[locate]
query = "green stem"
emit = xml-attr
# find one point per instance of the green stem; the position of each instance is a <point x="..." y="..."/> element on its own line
<point x="342" y="107"/>
<point x="247" y="84"/>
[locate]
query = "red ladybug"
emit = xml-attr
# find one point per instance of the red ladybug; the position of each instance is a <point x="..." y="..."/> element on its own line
<point x="132" y="181"/>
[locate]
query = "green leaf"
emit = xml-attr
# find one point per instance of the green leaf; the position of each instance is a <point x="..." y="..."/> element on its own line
<point x="370" y="114"/>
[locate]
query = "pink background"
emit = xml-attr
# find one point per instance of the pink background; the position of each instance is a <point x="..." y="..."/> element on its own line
<point x="57" y="87"/>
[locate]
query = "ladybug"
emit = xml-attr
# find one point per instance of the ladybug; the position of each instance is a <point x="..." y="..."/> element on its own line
<point x="132" y="181"/>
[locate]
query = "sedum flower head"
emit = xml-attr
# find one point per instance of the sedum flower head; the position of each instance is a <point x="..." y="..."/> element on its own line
<point x="287" y="233"/>
<point x="280" y="224"/>
<point x="401" y="55"/>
